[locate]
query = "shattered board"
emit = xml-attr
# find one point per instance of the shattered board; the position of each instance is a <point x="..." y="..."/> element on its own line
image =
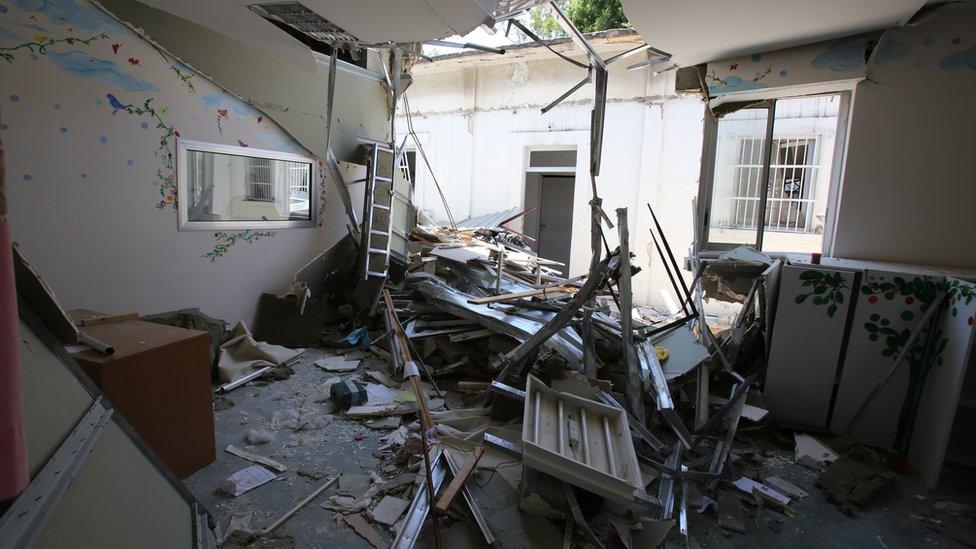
<point x="583" y="442"/>
<point x="685" y="351"/>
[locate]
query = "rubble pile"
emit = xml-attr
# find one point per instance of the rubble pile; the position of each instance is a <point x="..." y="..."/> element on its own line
<point x="489" y="341"/>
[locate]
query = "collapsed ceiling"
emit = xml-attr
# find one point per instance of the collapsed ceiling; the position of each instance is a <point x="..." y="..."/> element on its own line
<point x="696" y="32"/>
<point x="366" y="20"/>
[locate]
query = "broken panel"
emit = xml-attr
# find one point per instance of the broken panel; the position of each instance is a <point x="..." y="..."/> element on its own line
<point x="580" y="441"/>
<point x="811" y="319"/>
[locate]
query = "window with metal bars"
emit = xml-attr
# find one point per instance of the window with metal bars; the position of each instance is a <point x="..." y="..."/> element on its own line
<point x="259" y="180"/>
<point x="791" y="193"/>
<point x="767" y="173"/>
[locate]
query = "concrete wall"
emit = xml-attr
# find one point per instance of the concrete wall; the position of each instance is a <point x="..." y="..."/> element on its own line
<point x="478" y="125"/>
<point x="91" y="191"/>
<point x="908" y="191"/>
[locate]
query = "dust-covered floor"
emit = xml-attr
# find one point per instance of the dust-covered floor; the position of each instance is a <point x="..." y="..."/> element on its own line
<point x="905" y="514"/>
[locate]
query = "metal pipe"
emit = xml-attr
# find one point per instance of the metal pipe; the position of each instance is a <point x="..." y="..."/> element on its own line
<point x="608" y="441"/>
<point x="535" y="422"/>
<point x="465" y="46"/>
<point x="561" y="423"/>
<point x="562" y="97"/>
<point x="235" y="384"/>
<point x="585" y="441"/>
<point x="525" y="30"/>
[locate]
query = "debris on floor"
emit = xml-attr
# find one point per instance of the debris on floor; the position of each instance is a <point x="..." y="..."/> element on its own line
<point x="854" y="480"/>
<point x="482" y="368"/>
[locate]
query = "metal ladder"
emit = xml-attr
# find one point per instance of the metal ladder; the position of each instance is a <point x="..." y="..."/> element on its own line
<point x="377" y="218"/>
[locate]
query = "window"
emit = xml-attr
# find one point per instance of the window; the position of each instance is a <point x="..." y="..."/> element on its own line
<point x="775" y="159"/>
<point x="410" y="155"/>
<point x="259" y="180"/>
<point x="230" y="188"/>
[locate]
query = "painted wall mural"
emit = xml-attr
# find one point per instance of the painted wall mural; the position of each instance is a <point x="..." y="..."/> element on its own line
<point x="824" y="288"/>
<point x="226" y="240"/>
<point x="890" y="307"/>
<point x="105" y="65"/>
<point x="832" y="60"/>
<point x="90" y="113"/>
<point x="911" y="297"/>
<point x="842" y="59"/>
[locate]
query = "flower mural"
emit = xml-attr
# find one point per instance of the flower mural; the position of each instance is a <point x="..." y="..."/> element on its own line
<point x="226" y="240"/>
<point x="165" y="175"/>
<point x="41" y="43"/>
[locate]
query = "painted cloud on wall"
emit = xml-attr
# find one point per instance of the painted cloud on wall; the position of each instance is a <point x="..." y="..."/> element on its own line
<point x="891" y="50"/>
<point x="107" y="67"/>
<point x="959" y="60"/>
<point x="81" y="64"/>
<point x="843" y="55"/>
<point x="6" y="34"/>
<point x="223" y="100"/>
<point x="79" y="15"/>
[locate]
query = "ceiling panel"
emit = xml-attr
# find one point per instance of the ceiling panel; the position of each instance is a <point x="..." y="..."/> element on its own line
<point x="368" y="20"/>
<point x="696" y="32"/>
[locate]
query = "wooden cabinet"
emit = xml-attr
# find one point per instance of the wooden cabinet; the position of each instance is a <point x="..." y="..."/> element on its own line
<point x="159" y="381"/>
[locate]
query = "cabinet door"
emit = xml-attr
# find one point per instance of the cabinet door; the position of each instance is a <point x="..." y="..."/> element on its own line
<point x="939" y="396"/>
<point x="811" y="318"/>
<point x="889" y="307"/>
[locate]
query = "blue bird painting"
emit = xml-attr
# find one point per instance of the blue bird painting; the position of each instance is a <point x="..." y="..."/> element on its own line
<point x="116" y="104"/>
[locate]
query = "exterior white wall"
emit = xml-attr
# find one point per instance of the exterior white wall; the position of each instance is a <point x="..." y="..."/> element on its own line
<point x="478" y="125"/>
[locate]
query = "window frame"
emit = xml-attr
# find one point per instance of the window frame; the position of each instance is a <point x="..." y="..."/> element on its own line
<point x="710" y="146"/>
<point x="183" y="190"/>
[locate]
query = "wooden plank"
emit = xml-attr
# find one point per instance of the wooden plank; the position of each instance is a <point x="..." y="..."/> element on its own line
<point x="473" y="334"/>
<point x="107" y="319"/>
<point x="547" y="292"/>
<point x="459" y="479"/>
<point x="251" y="456"/>
<point x="471" y="386"/>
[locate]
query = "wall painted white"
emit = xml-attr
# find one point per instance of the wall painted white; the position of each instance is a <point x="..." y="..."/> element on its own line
<point x="89" y="190"/>
<point x="479" y="123"/>
<point x="908" y="189"/>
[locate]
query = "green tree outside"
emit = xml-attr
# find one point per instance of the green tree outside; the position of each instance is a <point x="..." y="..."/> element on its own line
<point x="587" y="15"/>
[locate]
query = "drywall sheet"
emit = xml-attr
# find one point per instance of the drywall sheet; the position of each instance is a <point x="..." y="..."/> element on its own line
<point x="367" y="20"/>
<point x="45" y="383"/>
<point x="938" y="396"/>
<point x="888" y="307"/>
<point x="293" y="97"/>
<point x="119" y="497"/>
<point x="811" y="317"/>
<point x="695" y="32"/>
